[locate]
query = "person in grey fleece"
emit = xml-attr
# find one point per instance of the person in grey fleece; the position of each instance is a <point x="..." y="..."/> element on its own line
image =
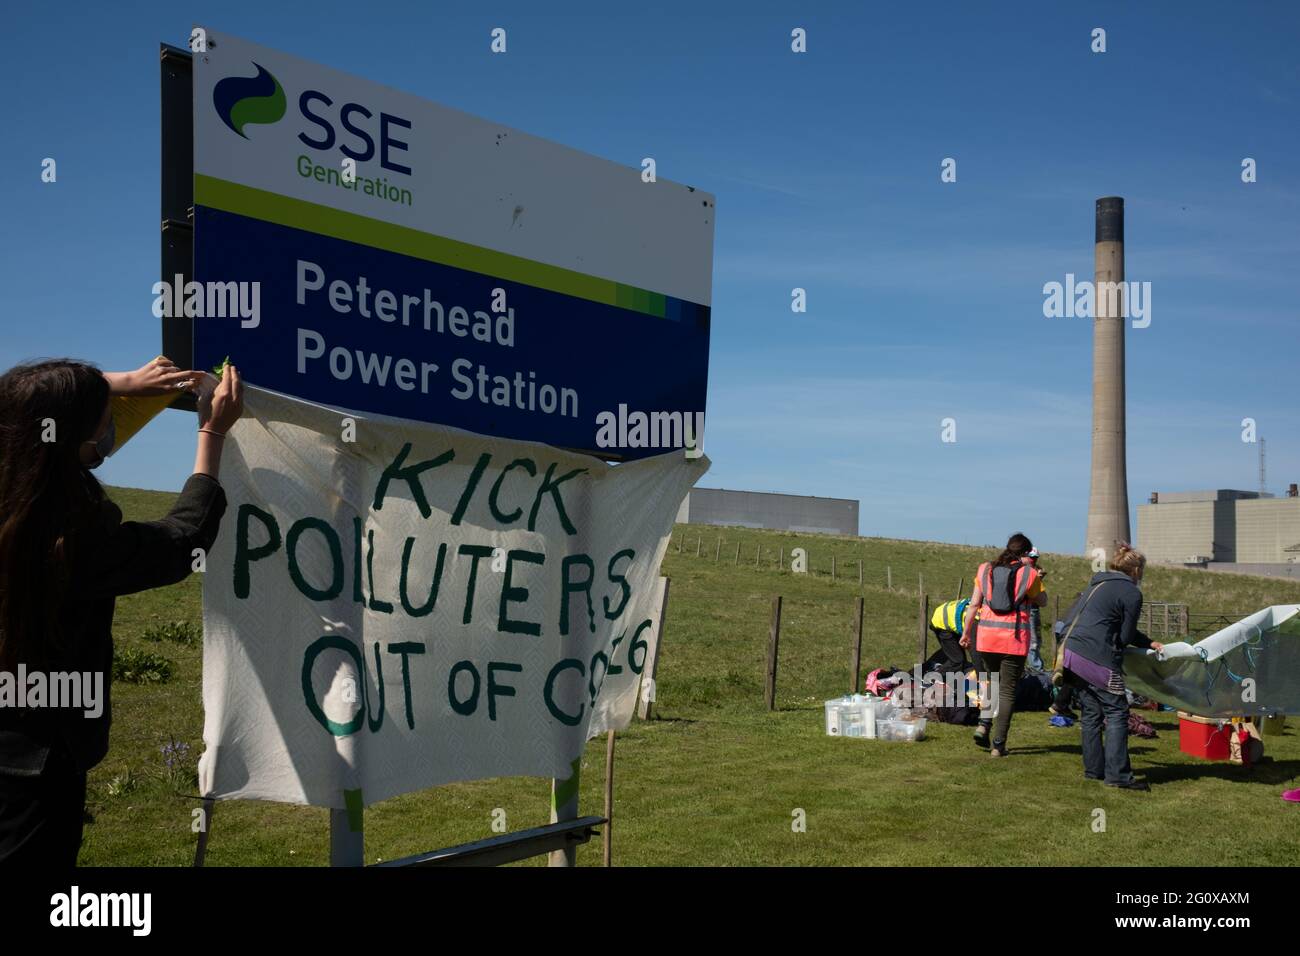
<point x="1104" y="621"/>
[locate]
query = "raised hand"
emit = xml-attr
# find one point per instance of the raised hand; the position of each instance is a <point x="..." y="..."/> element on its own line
<point x="153" y="378"/>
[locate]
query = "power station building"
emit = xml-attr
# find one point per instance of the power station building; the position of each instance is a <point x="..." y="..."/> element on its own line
<point x="761" y="509"/>
<point x="1223" y="530"/>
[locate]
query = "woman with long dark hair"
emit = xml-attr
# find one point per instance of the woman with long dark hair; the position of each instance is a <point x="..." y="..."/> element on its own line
<point x="65" y="556"/>
<point x="998" y="618"/>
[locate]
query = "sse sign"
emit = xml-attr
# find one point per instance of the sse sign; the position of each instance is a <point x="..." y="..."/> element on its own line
<point x="412" y="260"/>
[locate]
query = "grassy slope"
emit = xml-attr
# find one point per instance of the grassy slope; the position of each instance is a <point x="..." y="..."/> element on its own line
<point x="715" y="780"/>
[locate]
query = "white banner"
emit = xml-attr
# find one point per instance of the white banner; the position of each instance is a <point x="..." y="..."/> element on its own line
<point x="392" y="606"/>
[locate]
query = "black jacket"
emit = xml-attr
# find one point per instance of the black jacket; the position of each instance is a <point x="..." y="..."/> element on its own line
<point x="115" y="557"/>
<point x="1108" y="623"/>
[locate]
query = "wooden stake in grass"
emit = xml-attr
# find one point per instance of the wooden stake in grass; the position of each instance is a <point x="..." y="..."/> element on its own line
<point x="961" y="584"/>
<point x="609" y="798"/>
<point x="736" y="560"/>
<point x="773" y="643"/>
<point x="859" y="574"/>
<point x="780" y="560"/>
<point x="717" y="553"/>
<point x="832" y="567"/>
<point x="889" y="578"/>
<point x="698" y="539"/>
<point x="856" y="665"/>
<point x="757" y="555"/>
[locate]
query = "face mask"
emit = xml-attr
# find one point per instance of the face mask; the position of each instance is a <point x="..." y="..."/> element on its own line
<point x="104" y="446"/>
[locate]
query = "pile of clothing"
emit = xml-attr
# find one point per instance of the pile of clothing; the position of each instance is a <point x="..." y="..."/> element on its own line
<point x="951" y="693"/>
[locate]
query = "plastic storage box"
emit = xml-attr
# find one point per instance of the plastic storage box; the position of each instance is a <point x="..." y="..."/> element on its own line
<point x="901" y="728"/>
<point x="857" y="715"/>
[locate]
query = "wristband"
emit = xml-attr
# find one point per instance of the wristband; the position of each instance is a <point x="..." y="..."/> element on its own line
<point x="212" y="431"/>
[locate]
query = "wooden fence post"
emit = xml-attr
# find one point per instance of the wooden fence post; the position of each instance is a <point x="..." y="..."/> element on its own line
<point x="859" y="573"/>
<point x="856" y="670"/>
<point x="922" y="632"/>
<point x="832" y="567"/>
<point x="961" y="587"/>
<point x="717" y="552"/>
<point x="1056" y="617"/>
<point x="780" y="560"/>
<point x="736" y="562"/>
<point x="773" y="645"/>
<point x="757" y="555"/>
<point x="889" y="578"/>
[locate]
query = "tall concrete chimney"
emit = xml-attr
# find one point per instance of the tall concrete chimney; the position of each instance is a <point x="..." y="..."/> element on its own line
<point x="1108" y="500"/>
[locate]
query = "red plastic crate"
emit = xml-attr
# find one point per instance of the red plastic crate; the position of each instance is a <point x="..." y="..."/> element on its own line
<point x="1203" y="737"/>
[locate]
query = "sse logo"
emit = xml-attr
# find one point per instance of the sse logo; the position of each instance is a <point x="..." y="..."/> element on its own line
<point x="240" y="100"/>
<point x="260" y="99"/>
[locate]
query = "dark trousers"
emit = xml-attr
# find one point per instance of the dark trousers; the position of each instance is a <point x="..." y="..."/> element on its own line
<point x="1009" y="668"/>
<point x="1103" y="722"/>
<point x="950" y="644"/>
<point x="41" y="816"/>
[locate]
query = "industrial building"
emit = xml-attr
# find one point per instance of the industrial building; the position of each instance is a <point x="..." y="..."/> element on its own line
<point x="1224" y="530"/>
<point x="761" y="509"/>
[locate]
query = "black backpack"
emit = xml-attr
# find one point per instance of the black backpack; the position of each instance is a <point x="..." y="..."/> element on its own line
<point x="1000" y="591"/>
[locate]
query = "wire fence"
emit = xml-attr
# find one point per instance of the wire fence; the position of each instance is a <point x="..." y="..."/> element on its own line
<point x="800" y="559"/>
<point x="1164" y="621"/>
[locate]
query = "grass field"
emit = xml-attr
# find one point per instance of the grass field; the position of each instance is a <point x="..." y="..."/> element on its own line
<point x="716" y="779"/>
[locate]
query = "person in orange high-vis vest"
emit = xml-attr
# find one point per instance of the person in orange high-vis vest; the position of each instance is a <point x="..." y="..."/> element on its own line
<point x="998" y="620"/>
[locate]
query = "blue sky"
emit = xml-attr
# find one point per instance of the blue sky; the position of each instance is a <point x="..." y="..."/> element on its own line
<point x="924" y="298"/>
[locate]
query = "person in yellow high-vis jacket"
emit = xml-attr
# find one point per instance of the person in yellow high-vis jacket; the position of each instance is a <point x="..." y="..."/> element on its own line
<point x="946" y="622"/>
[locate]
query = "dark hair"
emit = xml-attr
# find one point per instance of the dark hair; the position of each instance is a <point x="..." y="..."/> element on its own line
<point x="1017" y="547"/>
<point x="47" y="410"/>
